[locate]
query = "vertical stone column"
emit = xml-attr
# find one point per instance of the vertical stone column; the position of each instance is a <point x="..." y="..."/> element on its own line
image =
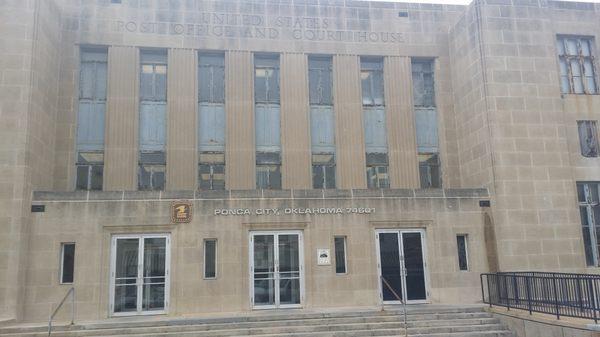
<point x="240" y="149"/>
<point x="182" y="106"/>
<point x="400" y="120"/>
<point x="121" y="135"/>
<point x="295" y="122"/>
<point x="349" y="131"/>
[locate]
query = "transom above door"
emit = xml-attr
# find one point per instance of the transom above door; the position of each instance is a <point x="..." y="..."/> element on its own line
<point x="139" y="277"/>
<point x="401" y="265"/>
<point x="276" y="269"/>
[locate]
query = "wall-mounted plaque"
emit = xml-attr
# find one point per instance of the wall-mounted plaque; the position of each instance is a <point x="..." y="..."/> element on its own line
<point x="323" y="257"/>
<point x="181" y="211"/>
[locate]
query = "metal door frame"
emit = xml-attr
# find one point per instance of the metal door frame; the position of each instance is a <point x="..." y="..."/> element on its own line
<point x="139" y="286"/>
<point x="275" y="235"/>
<point x="400" y="233"/>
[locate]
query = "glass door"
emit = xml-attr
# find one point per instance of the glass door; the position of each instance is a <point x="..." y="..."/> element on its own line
<point x="276" y="269"/>
<point x="139" y="274"/>
<point x="401" y="266"/>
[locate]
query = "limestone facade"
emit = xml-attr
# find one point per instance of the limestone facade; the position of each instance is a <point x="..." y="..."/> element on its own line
<point x="506" y="134"/>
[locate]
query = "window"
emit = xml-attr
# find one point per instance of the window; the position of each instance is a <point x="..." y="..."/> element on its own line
<point x="67" y="262"/>
<point x="210" y="258"/>
<point x="577" y="68"/>
<point x="371" y="74"/>
<point x="211" y="121"/>
<point x="426" y="123"/>
<point x="340" y="254"/>
<point x="322" y="122"/>
<point x="267" y="119"/>
<point x="588" y="138"/>
<point x="90" y="120"/>
<point x="463" y="255"/>
<point x="588" y="195"/>
<point x="152" y="122"/>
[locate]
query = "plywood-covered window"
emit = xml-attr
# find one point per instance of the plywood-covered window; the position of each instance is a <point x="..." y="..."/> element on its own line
<point x="374" y="121"/>
<point x="577" y="65"/>
<point x="267" y="121"/>
<point x="152" y="120"/>
<point x="426" y="123"/>
<point x="322" y="121"/>
<point x="90" y="119"/>
<point x="211" y="121"/>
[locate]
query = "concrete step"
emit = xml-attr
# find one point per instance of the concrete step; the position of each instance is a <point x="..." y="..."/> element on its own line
<point x="422" y="321"/>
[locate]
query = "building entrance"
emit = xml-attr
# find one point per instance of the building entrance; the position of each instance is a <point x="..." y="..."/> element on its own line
<point x="401" y="265"/>
<point x="276" y="269"/>
<point x="139" y="282"/>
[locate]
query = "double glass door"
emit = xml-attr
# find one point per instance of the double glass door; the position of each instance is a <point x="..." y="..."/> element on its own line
<point x="401" y="265"/>
<point x="139" y="274"/>
<point x="276" y="269"/>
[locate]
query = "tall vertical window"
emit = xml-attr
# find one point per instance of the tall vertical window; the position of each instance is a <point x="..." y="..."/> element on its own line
<point x="426" y="124"/>
<point x="152" y="121"/>
<point x="371" y="74"/>
<point x="462" y="250"/>
<point x="67" y="262"/>
<point x="90" y="119"/>
<point x="210" y="258"/>
<point x="267" y="120"/>
<point x="588" y="194"/>
<point x="340" y="254"/>
<point x="588" y="138"/>
<point x="211" y="121"/>
<point x="322" y="122"/>
<point x="577" y="68"/>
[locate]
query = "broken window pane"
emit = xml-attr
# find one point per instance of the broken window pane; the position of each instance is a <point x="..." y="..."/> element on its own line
<point x="320" y="80"/>
<point x="211" y="171"/>
<point x="577" y="71"/>
<point x="371" y="74"/>
<point x="588" y="138"/>
<point x="323" y="170"/>
<point x="266" y="79"/>
<point x="589" y="210"/>
<point x="377" y="170"/>
<point x="423" y="83"/>
<point x="268" y="170"/>
<point x="429" y="170"/>
<point x="151" y="174"/>
<point x="89" y="171"/>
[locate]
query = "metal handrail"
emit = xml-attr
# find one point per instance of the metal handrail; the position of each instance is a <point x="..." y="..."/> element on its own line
<point x="70" y="292"/>
<point x="385" y="282"/>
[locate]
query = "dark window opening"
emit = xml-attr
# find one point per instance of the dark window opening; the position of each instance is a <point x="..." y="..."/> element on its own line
<point x="340" y="254"/>
<point x="67" y="263"/>
<point x="461" y="244"/>
<point x="588" y="138"/>
<point x="210" y="258"/>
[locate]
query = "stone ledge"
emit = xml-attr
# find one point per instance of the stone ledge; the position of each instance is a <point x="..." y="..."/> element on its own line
<point x="463" y="193"/>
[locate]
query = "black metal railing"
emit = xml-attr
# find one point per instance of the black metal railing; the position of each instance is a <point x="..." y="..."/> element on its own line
<point x="560" y="294"/>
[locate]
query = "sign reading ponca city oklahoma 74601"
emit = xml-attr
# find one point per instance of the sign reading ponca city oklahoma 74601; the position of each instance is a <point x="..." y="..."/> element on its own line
<point x="294" y="211"/>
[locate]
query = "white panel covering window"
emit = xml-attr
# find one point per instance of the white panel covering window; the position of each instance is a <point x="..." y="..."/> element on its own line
<point x="577" y="65"/>
<point x="267" y="121"/>
<point x="426" y="123"/>
<point x="211" y="121"/>
<point x="322" y="121"/>
<point x="371" y="74"/>
<point x="152" y="120"/>
<point x="90" y="119"/>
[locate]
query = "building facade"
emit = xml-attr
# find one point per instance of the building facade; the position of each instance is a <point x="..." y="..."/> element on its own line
<point x="189" y="157"/>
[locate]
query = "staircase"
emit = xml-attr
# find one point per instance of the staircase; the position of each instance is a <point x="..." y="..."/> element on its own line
<point x="432" y="321"/>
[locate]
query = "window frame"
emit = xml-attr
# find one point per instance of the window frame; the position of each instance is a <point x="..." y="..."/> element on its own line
<point x="593" y="223"/>
<point x="379" y="70"/>
<point x="580" y="59"/>
<point x="313" y="62"/>
<point x="204" y="241"/>
<point x="211" y="86"/>
<point x="276" y="68"/>
<point x="62" y="263"/>
<point x="466" y="245"/>
<point x="345" y="247"/>
<point x="211" y="166"/>
<point x="593" y="125"/>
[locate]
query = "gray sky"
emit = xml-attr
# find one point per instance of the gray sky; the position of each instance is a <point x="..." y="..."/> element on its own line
<point x="460" y="2"/>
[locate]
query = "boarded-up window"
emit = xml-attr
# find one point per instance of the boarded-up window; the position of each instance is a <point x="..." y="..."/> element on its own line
<point x="152" y="120"/>
<point x="426" y="123"/>
<point x="90" y="119"/>
<point x="322" y="121"/>
<point x="576" y="65"/>
<point x="588" y="138"/>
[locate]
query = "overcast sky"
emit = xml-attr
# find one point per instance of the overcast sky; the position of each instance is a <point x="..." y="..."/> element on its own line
<point x="459" y="2"/>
